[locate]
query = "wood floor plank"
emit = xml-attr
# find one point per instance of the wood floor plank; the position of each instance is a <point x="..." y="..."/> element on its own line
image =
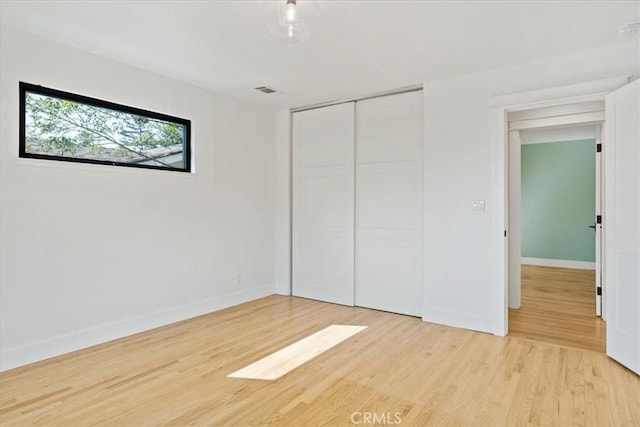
<point x="558" y="306"/>
<point x="429" y="374"/>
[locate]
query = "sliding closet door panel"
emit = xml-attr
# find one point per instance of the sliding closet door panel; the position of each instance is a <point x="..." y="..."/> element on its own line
<point x="389" y="203"/>
<point x="323" y="204"/>
<point x="385" y="199"/>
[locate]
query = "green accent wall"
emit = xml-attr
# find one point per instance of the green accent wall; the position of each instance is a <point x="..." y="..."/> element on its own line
<point x="558" y="200"/>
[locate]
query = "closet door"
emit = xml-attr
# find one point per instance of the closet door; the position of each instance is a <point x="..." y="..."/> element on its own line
<point x="389" y="206"/>
<point x="323" y="204"/>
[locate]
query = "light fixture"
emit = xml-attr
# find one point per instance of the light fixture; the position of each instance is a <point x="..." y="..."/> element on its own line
<point x="291" y="25"/>
<point x="289" y="12"/>
<point x="290" y="20"/>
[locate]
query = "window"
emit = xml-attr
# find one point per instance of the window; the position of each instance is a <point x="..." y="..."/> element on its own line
<point x="56" y="125"/>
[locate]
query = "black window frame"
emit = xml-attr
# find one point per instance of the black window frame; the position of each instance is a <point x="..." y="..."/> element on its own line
<point x="25" y="88"/>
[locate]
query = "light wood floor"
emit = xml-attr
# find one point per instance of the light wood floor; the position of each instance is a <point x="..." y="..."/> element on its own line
<point x="430" y="374"/>
<point x="558" y="306"/>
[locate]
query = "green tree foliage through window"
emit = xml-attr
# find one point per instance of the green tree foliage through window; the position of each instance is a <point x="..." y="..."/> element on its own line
<point x="59" y="127"/>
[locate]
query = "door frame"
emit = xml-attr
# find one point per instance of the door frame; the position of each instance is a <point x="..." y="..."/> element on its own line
<point x="599" y="230"/>
<point x="514" y="239"/>
<point x="502" y="105"/>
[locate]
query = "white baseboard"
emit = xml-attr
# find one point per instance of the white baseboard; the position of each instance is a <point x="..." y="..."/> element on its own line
<point x="14" y="357"/>
<point x="564" y="263"/>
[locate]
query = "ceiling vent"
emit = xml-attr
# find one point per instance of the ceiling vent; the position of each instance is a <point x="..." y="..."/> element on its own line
<point x="266" y="89"/>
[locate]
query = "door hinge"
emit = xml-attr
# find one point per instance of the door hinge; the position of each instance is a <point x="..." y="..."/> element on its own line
<point x="505" y="233"/>
<point x="598" y="219"/>
<point x="598" y="148"/>
<point x="599" y="290"/>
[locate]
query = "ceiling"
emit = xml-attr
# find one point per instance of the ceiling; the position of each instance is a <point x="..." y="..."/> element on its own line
<point x="356" y="47"/>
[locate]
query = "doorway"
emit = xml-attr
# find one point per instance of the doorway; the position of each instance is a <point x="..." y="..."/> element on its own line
<point x="554" y="210"/>
<point x="621" y="257"/>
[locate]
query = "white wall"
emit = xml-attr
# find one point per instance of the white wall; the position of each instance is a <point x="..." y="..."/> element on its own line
<point x="90" y="253"/>
<point x="283" y="203"/>
<point x="463" y="263"/>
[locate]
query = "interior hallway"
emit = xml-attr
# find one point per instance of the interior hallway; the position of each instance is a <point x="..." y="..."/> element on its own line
<point x="558" y="307"/>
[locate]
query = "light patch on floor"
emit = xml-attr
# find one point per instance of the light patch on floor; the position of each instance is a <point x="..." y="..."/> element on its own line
<point x="289" y="358"/>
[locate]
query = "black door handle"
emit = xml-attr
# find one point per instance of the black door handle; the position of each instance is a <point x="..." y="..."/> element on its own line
<point x="593" y="226"/>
